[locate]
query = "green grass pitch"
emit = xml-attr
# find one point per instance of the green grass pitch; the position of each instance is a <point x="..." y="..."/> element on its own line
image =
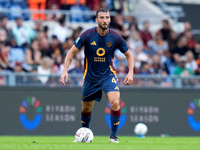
<point x="99" y="143"/>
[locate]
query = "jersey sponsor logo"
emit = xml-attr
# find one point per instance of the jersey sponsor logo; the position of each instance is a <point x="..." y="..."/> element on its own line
<point x="100" y="59"/>
<point x="109" y="44"/>
<point x="93" y="43"/>
<point x="117" y="88"/>
<point x="100" y="51"/>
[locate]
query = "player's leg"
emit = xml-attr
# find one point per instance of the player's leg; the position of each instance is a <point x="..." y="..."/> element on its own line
<point x="113" y="98"/>
<point x="86" y="112"/>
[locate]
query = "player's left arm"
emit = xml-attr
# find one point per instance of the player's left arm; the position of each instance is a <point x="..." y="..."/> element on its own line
<point x="129" y="77"/>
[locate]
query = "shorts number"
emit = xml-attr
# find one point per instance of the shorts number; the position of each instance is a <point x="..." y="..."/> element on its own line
<point x="113" y="80"/>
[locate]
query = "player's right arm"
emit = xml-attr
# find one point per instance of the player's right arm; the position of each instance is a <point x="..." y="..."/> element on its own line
<point x="68" y="60"/>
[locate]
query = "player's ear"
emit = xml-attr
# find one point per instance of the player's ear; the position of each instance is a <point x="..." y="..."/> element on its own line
<point x="96" y="20"/>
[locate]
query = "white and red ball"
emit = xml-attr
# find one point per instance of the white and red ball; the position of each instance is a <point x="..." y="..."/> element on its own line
<point x="84" y="135"/>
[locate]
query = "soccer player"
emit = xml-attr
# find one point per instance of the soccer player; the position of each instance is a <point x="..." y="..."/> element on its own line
<point x="99" y="74"/>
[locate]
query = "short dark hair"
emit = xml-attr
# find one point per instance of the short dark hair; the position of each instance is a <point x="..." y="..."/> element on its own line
<point x="102" y="10"/>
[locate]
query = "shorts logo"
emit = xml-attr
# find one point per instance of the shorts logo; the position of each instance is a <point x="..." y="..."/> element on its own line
<point x="192" y="121"/>
<point x="100" y="52"/>
<point x="116" y="88"/>
<point x="109" y="44"/>
<point x="30" y="113"/>
<point x="123" y="116"/>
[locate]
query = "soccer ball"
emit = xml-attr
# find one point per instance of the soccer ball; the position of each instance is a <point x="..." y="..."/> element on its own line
<point x="84" y="135"/>
<point x="140" y="129"/>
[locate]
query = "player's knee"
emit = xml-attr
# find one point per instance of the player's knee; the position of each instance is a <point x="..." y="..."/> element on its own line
<point x="86" y="109"/>
<point x="114" y="104"/>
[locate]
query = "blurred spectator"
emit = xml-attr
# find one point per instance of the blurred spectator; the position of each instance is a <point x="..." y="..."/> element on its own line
<point x="67" y="45"/>
<point x="139" y="57"/>
<point x="157" y="45"/>
<point x="53" y="80"/>
<point x="66" y="4"/>
<point x="76" y="33"/>
<point x="134" y="41"/>
<point x="103" y="4"/>
<point x="119" y="58"/>
<point x="19" y="69"/>
<point x="2" y="78"/>
<point x="55" y="47"/>
<point x="54" y="7"/>
<point x="22" y="34"/>
<point x="45" y="48"/>
<point x="58" y="65"/>
<point x="45" y="68"/>
<point x="37" y="5"/>
<point x="121" y="71"/>
<point x="187" y="27"/>
<point x="76" y="70"/>
<point x="61" y="30"/>
<point x="93" y="4"/>
<point x="122" y="6"/>
<point x="33" y="54"/>
<point x="172" y="41"/>
<point x="183" y="71"/>
<point x="49" y="3"/>
<point x="146" y="34"/>
<point x="77" y="12"/>
<point x="118" y="25"/>
<point x="198" y="71"/>
<point x="165" y="30"/>
<point x="33" y="79"/>
<point x="198" y="60"/>
<point x="4" y="51"/>
<point x="16" y="54"/>
<point x="144" y="68"/>
<point x="181" y="46"/>
<point x="46" y="31"/>
<point x="181" y="68"/>
<point x="196" y="50"/>
<point x="191" y="62"/>
<point x="3" y="25"/>
<point x="190" y="40"/>
<point x="133" y="28"/>
<point x="38" y="26"/>
<point x="156" y="67"/>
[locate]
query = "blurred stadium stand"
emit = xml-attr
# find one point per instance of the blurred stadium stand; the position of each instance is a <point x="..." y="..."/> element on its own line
<point x="152" y="10"/>
<point x="76" y="80"/>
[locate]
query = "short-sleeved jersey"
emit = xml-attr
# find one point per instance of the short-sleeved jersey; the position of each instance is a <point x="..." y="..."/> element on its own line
<point x="99" y="52"/>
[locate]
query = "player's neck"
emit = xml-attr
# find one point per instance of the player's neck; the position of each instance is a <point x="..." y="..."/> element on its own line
<point x="102" y="32"/>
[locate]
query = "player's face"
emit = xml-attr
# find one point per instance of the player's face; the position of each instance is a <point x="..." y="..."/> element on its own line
<point x="103" y="20"/>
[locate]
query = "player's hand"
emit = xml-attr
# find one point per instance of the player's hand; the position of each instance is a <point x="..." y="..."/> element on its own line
<point x="64" y="77"/>
<point x="129" y="78"/>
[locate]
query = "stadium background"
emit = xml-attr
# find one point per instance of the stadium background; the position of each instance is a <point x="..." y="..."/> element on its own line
<point x="33" y="102"/>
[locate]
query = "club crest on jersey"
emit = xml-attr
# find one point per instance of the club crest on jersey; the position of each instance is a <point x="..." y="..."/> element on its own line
<point x="109" y="44"/>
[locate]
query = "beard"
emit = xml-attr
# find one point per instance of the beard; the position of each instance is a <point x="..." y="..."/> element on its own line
<point x="103" y="27"/>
